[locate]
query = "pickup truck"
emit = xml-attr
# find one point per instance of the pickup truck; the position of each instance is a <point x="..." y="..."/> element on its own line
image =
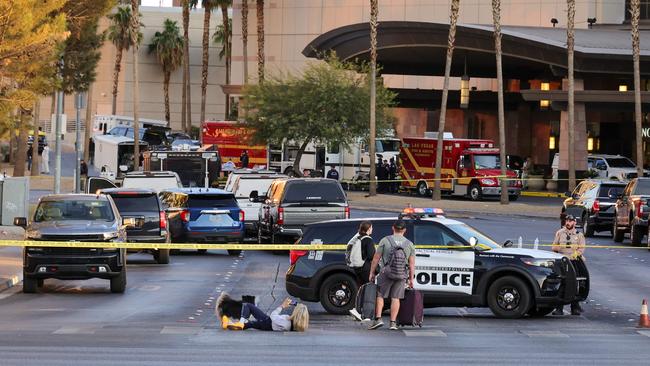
<point x="294" y="202"/>
<point x="250" y="190"/>
<point x="631" y="211"/>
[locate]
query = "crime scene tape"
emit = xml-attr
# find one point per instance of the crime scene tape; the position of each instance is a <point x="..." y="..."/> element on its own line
<point x="363" y="181"/>
<point x="238" y="246"/>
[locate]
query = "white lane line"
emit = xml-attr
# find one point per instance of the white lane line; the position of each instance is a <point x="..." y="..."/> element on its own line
<point x="180" y="330"/>
<point x="644" y="332"/>
<point x="74" y="330"/>
<point x="544" y="334"/>
<point x="424" y="333"/>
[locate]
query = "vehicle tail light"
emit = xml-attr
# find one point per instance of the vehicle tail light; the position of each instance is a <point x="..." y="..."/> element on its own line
<point x="347" y="212"/>
<point x="295" y="254"/>
<point x="185" y="215"/>
<point x="280" y="216"/>
<point x="639" y="208"/>
<point x="163" y="220"/>
<point x="241" y="215"/>
<point x="596" y="207"/>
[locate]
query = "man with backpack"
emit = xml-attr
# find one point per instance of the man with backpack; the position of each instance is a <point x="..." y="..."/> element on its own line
<point x="358" y="256"/>
<point x="396" y="256"/>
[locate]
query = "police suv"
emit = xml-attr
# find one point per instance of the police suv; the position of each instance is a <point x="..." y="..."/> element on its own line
<point x="468" y="269"/>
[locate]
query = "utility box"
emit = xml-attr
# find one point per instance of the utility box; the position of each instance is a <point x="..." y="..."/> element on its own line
<point x="15" y="199"/>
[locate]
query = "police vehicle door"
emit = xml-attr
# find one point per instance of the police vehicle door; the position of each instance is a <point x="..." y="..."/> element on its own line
<point x="447" y="269"/>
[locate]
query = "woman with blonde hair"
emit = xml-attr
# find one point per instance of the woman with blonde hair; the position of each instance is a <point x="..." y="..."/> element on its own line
<point x="286" y="317"/>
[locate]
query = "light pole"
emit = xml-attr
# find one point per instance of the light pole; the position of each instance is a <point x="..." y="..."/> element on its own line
<point x="57" y="142"/>
<point x="79" y="101"/>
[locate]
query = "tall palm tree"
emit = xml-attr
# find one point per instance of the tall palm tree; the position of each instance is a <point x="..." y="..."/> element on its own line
<point x="136" y="38"/>
<point x="226" y="24"/>
<point x="186" y="66"/>
<point x="570" y="43"/>
<point x="244" y="38"/>
<point x="374" y="12"/>
<point x="208" y="7"/>
<point x="168" y="47"/>
<point x="636" y="11"/>
<point x="120" y="34"/>
<point x="260" y="40"/>
<point x="496" y="17"/>
<point x="451" y="40"/>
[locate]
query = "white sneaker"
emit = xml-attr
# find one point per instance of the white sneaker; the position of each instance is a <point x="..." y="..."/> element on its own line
<point x="356" y="314"/>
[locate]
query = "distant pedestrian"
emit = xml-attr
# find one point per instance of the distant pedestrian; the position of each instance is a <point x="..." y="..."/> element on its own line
<point x="392" y="175"/>
<point x="45" y="160"/>
<point x="570" y="243"/>
<point x="243" y="159"/>
<point x="525" y="171"/>
<point x="382" y="175"/>
<point x="332" y="173"/>
<point x="395" y="256"/>
<point x="83" y="168"/>
<point x="30" y="155"/>
<point x="359" y="254"/>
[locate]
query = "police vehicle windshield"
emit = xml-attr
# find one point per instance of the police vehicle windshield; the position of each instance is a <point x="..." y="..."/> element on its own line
<point x="466" y="232"/>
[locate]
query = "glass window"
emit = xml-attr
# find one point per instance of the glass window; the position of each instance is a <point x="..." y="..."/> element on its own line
<point x="466" y="232"/>
<point x="433" y="234"/>
<point x="211" y="200"/>
<point x="466" y="161"/>
<point x="86" y="210"/>
<point x="219" y="220"/>
<point x="276" y="195"/>
<point x="314" y="191"/>
<point x="619" y="163"/>
<point x="642" y="187"/>
<point x="135" y="203"/>
<point x="605" y="189"/>
<point x="644" y="7"/>
<point x="487" y="162"/>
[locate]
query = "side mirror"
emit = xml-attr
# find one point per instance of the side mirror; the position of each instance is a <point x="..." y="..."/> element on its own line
<point x="508" y="244"/>
<point x="568" y="194"/>
<point x="124" y="168"/>
<point x="20" y="221"/>
<point x="254" y="196"/>
<point x="473" y="242"/>
<point x="129" y="222"/>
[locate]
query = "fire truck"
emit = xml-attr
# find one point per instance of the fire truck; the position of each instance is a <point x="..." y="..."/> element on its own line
<point x="470" y="167"/>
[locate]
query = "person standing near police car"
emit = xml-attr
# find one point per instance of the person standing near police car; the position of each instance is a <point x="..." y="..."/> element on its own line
<point x="358" y="256"/>
<point x="571" y="243"/>
<point x="390" y="281"/>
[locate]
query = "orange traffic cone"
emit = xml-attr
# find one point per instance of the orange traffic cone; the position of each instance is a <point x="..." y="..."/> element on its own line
<point x="644" y="321"/>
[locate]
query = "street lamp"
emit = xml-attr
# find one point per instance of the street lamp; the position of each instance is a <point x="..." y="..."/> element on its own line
<point x="464" y="91"/>
<point x="551" y="142"/>
<point x="544" y="103"/>
<point x="622" y="88"/>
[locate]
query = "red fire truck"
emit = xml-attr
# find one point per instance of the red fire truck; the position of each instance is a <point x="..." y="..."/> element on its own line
<point x="470" y="167"/>
<point x="231" y="139"/>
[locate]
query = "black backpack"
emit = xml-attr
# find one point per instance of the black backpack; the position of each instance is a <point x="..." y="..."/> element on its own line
<point x="395" y="268"/>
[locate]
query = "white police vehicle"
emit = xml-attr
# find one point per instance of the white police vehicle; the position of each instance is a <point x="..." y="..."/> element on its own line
<point x="470" y="269"/>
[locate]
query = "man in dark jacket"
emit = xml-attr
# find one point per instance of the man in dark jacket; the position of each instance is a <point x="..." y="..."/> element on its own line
<point x="392" y="174"/>
<point x="243" y="159"/>
<point x="332" y="173"/>
<point x="382" y="175"/>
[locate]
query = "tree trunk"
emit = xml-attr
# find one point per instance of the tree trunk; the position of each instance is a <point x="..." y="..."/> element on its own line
<point x="260" y="40"/>
<point x="226" y="29"/>
<point x="496" y="16"/>
<point x="21" y="152"/>
<point x="187" y="82"/>
<point x="166" y="77"/>
<point x="244" y="37"/>
<point x="374" y="10"/>
<point x="36" y="159"/>
<point x="136" y="89"/>
<point x="116" y="78"/>
<point x="205" y="60"/>
<point x="635" y="10"/>
<point x="453" y="19"/>
<point x="571" y="13"/>
<point x="296" y="162"/>
<point x="89" y="123"/>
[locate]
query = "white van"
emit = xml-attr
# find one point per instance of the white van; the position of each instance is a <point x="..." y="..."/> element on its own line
<point x="615" y="167"/>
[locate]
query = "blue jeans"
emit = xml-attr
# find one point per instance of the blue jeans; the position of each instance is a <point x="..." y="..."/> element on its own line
<point x="261" y="322"/>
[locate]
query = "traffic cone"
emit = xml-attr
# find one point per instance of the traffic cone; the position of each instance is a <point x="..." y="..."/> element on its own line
<point x="644" y="322"/>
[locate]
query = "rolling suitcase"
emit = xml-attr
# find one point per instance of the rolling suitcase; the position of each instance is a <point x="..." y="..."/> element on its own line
<point x="411" y="308"/>
<point x="366" y="300"/>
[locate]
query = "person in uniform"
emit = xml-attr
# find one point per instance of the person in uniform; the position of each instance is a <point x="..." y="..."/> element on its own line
<point x="332" y="173"/>
<point x="570" y="243"/>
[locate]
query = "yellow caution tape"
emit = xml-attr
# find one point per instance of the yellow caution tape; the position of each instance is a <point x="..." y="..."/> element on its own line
<point x="236" y="246"/>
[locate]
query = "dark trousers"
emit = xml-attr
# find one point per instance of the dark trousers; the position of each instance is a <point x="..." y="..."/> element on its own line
<point x="261" y="322"/>
<point x="363" y="274"/>
<point x="580" y="269"/>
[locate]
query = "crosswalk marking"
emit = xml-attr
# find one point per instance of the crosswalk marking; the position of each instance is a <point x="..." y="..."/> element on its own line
<point x="544" y="333"/>
<point x="424" y="333"/>
<point x="180" y="330"/>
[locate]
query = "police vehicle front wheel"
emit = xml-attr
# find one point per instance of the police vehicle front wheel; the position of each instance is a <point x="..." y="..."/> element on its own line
<point x="337" y="293"/>
<point x="509" y="297"/>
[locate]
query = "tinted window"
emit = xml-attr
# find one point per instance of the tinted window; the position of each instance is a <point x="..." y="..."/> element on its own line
<point x="642" y="186"/>
<point x="211" y="200"/>
<point x="135" y="203"/>
<point x="93" y="210"/>
<point x="466" y="232"/>
<point x="340" y="233"/>
<point x="487" y="162"/>
<point x="605" y="189"/>
<point x="313" y="191"/>
<point x="620" y="163"/>
<point x="432" y="234"/>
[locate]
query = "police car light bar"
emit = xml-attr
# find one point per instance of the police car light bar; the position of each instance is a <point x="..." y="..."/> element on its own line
<point x="422" y="212"/>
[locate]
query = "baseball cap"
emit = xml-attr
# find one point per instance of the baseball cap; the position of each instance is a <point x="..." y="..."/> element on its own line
<point x="399" y="225"/>
<point x="570" y="218"/>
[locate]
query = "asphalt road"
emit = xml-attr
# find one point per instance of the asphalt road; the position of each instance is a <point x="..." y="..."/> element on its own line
<point x="166" y="317"/>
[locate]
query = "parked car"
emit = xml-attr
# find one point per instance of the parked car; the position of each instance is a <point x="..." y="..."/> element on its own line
<point x="75" y="217"/>
<point x="144" y="207"/>
<point x="631" y="211"/>
<point x="251" y="190"/>
<point x="146" y="180"/>
<point x="294" y="202"/>
<point x="246" y="171"/>
<point x="592" y="204"/>
<point x="155" y="136"/>
<point x="203" y="215"/>
<point x="607" y="166"/>
<point x="474" y="272"/>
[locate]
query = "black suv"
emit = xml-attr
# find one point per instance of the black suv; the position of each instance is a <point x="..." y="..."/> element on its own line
<point x="144" y="207"/>
<point x="74" y="217"/>
<point x="592" y="203"/>
<point x="631" y="212"/>
<point x="511" y="282"/>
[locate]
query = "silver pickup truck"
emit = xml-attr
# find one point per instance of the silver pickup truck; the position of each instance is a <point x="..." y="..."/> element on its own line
<point x="293" y="203"/>
<point x="250" y="190"/>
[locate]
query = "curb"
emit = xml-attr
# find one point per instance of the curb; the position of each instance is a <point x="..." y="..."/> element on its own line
<point x="455" y="213"/>
<point x="7" y="283"/>
<point x="542" y="194"/>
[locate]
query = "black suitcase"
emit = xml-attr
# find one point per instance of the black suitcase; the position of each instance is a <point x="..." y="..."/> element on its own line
<point x="366" y="300"/>
<point x="411" y="308"/>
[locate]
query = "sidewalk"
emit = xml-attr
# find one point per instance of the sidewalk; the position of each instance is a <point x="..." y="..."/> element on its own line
<point x="11" y="260"/>
<point x="396" y="203"/>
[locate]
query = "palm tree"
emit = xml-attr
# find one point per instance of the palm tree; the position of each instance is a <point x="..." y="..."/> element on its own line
<point x="244" y="38"/>
<point x="120" y="34"/>
<point x="136" y="38"/>
<point x="496" y="17"/>
<point x="374" y="12"/>
<point x="570" y="42"/>
<point x="185" y="105"/>
<point x="208" y="7"/>
<point x="168" y="47"/>
<point x="635" y="10"/>
<point x="226" y="24"/>
<point x="451" y="39"/>
<point x="260" y="40"/>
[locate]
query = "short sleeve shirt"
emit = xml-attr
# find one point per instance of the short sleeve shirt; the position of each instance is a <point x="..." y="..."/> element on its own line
<point x="384" y="247"/>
